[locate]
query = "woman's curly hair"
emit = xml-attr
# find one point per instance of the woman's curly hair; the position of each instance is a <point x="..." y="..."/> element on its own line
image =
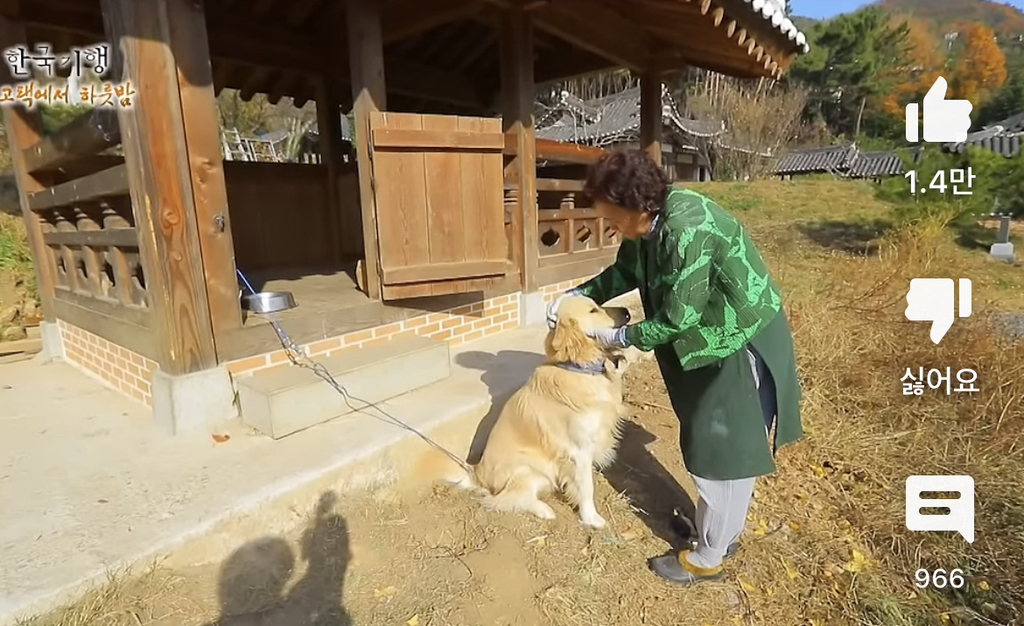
<point x="629" y="179"/>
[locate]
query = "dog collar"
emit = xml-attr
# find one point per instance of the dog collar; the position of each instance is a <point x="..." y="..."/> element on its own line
<point x="588" y="368"/>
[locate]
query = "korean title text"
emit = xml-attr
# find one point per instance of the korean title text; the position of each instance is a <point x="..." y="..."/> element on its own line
<point x="38" y="72"/>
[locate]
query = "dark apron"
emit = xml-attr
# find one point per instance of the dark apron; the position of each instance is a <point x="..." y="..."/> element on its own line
<point x="729" y="429"/>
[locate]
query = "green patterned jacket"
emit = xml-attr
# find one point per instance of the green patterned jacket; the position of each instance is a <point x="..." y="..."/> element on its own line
<point x="700" y="274"/>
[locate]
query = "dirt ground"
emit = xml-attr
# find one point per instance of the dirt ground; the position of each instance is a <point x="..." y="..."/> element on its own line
<point x="826" y="542"/>
<point x="433" y="556"/>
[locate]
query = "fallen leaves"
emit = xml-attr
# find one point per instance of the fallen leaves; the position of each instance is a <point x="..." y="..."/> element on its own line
<point x="858" y="562"/>
<point x="221" y="438"/>
<point x="791" y="571"/>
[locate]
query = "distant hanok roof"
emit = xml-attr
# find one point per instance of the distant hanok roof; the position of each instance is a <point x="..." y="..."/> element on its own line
<point x="874" y="164"/>
<point x="842" y="160"/>
<point x="1003" y="137"/>
<point x="614" y="118"/>
<point x="835" y="159"/>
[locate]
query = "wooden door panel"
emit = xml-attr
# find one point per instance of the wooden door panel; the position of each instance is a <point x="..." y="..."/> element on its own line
<point x="438" y="188"/>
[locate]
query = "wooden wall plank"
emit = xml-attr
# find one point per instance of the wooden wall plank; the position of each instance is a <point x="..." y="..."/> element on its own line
<point x="23" y="131"/>
<point x="402" y="205"/>
<point x="445" y="235"/>
<point x="154" y="140"/>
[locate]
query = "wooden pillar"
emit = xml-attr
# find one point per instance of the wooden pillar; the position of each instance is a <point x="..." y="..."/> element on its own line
<point x="651" y="123"/>
<point x="328" y="114"/>
<point x="517" y="89"/>
<point x="23" y="131"/>
<point x="366" y="54"/>
<point x="171" y="145"/>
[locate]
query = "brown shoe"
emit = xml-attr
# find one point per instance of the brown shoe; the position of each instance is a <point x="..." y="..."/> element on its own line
<point x="686" y="529"/>
<point x="676" y="568"/>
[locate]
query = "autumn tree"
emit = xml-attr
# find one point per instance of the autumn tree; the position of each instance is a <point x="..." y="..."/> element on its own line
<point x="980" y="66"/>
<point x="916" y="71"/>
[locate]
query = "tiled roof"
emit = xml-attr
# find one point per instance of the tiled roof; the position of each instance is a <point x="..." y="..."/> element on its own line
<point x="774" y="11"/>
<point x="872" y="164"/>
<point x="827" y="159"/>
<point x="1004" y="138"/>
<point x="613" y="118"/>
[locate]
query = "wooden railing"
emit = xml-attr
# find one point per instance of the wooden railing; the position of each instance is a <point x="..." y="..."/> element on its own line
<point x="88" y="229"/>
<point x="575" y="241"/>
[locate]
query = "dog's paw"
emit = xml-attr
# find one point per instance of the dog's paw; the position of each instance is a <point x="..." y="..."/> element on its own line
<point x="593" y="520"/>
<point x="543" y="511"/>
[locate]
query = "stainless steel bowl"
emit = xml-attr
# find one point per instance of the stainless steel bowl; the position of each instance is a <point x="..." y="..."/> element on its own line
<point x="268" y="301"/>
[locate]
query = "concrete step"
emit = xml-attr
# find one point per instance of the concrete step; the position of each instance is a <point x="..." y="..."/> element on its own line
<point x="283" y="401"/>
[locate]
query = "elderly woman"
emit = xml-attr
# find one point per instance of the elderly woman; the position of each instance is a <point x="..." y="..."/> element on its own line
<point x="715" y="322"/>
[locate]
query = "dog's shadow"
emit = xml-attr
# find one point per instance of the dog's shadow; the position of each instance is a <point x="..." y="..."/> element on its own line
<point x="636" y="473"/>
<point x="503" y="373"/>
<point x="651" y="491"/>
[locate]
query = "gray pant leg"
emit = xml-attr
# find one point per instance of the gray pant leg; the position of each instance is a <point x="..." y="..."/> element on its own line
<point x="722" y="505"/>
<point x="722" y="508"/>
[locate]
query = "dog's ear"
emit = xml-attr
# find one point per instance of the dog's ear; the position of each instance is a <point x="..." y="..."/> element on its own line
<point x="567" y="342"/>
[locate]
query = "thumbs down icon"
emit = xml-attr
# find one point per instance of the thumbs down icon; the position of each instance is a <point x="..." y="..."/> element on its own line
<point x="933" y="300"/>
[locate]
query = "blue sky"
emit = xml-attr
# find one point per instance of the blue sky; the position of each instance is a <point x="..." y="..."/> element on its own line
<point x="829" y="8"/>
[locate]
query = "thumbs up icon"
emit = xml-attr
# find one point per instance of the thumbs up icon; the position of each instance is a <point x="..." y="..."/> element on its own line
<point x="945" y="121"/>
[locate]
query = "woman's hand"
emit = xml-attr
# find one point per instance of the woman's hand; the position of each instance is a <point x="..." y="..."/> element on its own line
<point x="552" y="313"/>
<point x="614" y="338"/>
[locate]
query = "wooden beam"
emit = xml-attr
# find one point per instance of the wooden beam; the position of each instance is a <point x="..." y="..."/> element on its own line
<point x="82" y="137"/>
<point x="651" y="123"/>
<point x="369" y="94"/>
<point x="557" y="151"/>
<point x="591" y="27"/>
<point x="112" y="237"/>
<point x="23" y="130"/>
<point x="158" y="154"/>
<point x="517" y="87"/>
<point x="109" y="182"/>
<point x="412" y="17"/>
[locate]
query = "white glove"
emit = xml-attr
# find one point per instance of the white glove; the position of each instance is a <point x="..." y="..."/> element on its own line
<point x="552" y="314"/>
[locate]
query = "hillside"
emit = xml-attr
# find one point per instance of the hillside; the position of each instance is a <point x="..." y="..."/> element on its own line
<point x="1005" y="20"/>
<point x="947" y="15"/>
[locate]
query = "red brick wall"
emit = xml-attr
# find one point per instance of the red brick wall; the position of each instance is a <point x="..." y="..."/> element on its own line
<point x="130" y="373"/>
<point x="459" y="325"/>
<point x="121" y="369"/>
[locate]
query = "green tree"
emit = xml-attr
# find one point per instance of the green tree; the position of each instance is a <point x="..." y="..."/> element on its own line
<point x="852" y="65"/>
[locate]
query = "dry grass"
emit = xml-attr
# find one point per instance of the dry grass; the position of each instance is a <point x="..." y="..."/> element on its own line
<point x="826" y="542"/>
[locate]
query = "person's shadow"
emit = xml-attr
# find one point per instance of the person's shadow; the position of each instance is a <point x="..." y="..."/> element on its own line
<point x="252" y="583"/>
<point x="652" y="491"/>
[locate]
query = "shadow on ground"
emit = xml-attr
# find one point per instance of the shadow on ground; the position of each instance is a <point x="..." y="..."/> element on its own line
<point x="852" y="237"/>
<point x="494" y="372"/>
<point x="252" y="582"/>
<point x="976" y="236"/>
<point x="653" y="492"/>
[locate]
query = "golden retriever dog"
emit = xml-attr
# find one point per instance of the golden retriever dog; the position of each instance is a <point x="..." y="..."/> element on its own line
<point x="561" y="424"/>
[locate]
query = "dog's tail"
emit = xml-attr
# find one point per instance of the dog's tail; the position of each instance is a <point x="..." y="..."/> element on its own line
<point x="444" y="469"/>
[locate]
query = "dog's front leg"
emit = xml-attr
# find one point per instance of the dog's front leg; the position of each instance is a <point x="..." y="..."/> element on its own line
<point x="584" y="479"/>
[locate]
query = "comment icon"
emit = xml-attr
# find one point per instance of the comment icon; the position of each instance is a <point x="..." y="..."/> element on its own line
<point x="921" y="496"/>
